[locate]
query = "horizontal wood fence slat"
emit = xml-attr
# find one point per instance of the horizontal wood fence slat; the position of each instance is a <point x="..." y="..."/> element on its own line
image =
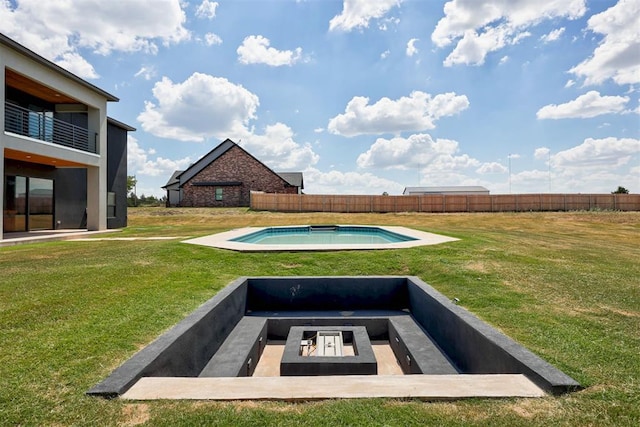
<point x="444" y="203"/>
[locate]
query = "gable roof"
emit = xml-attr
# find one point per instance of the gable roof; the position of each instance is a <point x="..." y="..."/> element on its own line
<point x="121" y="125"/>
<point x="213" y="155"/>
<point x="206" y="160"/>
<point x="293" y="178"/>
<point x="173" y="180"/>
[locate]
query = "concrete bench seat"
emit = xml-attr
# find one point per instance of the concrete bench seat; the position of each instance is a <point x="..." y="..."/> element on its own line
<point x="239" y="354"/>
<point x="415" y="349"/>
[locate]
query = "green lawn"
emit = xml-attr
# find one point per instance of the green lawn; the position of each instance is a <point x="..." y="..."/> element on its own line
<point x="565" y="285"/>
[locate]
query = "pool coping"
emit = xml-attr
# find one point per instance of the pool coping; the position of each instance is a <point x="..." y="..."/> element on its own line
<point x="223" y="240"/>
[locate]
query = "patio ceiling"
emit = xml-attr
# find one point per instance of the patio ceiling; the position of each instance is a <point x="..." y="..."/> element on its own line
<point x="25" y="84"/>
<point x="36" y="158"/>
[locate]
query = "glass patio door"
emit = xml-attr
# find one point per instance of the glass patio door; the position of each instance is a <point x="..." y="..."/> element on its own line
<point x="15" y="204"/>
<point x="40" y="204"/>
<point x="28" y="204"/>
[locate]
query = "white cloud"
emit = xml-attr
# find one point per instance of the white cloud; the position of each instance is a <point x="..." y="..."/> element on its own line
<point x="382" y="24"/>
<point x="146" y="73"/>
<point x="416" y="112"/>
<point x="569" y="83"/>
<point x="211" y="39"/>
<point x="617" y="55"/>
<point x="140" y="163"/>
<point x="257" y="50"/>
<point x="277" y="149"/>
<point x="480" y="27"/>
<point x="207" y="9"/>
<point x="103" y="27"/>
<point x="591" y="104"/>
<point x="201" y="107"/>
<point x="75" y="63"/>
<point x="552" y="36"/>
<point x="491" y="168"/>
<point x="415" y="152"/>
<point x="57" y="30"/>
<point x="336" y="182"/>
<point x="385" y="54"/>
<point x="411" y="47"/>
<point x="204" y="107"/>
<point x="504" y="59"/>
<point x="358" y="13"/>
<point x="318" y="130"/>
<point x="541" y="153"/>
<point x="598" y="153"/>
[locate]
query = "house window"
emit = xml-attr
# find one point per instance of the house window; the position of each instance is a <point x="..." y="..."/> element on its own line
<point x="218" y="194"/>
<point x="111" y="205"/>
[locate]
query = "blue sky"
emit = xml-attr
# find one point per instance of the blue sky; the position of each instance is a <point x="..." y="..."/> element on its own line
<point x="364" y="96"/>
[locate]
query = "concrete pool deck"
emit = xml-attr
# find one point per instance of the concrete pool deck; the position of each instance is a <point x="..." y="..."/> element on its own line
<point x="223" y="241"/>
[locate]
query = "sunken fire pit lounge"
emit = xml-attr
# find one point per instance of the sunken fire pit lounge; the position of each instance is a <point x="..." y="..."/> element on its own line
<point x="328" y="324"/>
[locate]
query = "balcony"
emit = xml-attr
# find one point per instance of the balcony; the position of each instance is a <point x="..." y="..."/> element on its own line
<point x="44" y="127"/>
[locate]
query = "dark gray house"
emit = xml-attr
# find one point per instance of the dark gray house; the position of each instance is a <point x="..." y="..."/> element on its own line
<point x="63" y="161"/>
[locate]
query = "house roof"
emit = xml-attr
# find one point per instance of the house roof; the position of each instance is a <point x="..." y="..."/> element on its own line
<point x="173" y="180"/>
<point x="446" y="189"/>
<point x="182" y="177"/>
<point x="12" y="44"/>
<point x="205" y="161"/>
<point x="120" y="124"/>
<point x="293" y="178"/>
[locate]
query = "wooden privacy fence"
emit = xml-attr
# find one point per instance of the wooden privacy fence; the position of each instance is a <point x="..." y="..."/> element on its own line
<point x="444" y="203"/>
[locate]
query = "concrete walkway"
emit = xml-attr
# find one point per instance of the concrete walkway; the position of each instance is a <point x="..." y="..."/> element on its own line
<point x="19" y="238"/>
<point x="426" y="387"/>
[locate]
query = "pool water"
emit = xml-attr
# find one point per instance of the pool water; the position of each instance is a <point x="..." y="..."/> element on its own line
<point x="314" y="235"/>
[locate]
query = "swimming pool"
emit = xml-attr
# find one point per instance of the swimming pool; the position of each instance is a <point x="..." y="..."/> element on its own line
<point x="319" y="238"/>
<point x="322" y="235"/>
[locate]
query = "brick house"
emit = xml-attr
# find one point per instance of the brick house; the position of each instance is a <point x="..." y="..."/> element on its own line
<point x="225" y="177"/>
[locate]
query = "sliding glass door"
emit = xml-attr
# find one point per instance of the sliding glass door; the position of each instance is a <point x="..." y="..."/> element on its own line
<point x="28" y="204"/>
<point x="15" y="204"/>
<point x="40" y="204"/>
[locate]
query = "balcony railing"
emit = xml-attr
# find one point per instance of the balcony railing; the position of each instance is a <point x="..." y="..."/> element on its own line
<point x="42" y="126"/>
